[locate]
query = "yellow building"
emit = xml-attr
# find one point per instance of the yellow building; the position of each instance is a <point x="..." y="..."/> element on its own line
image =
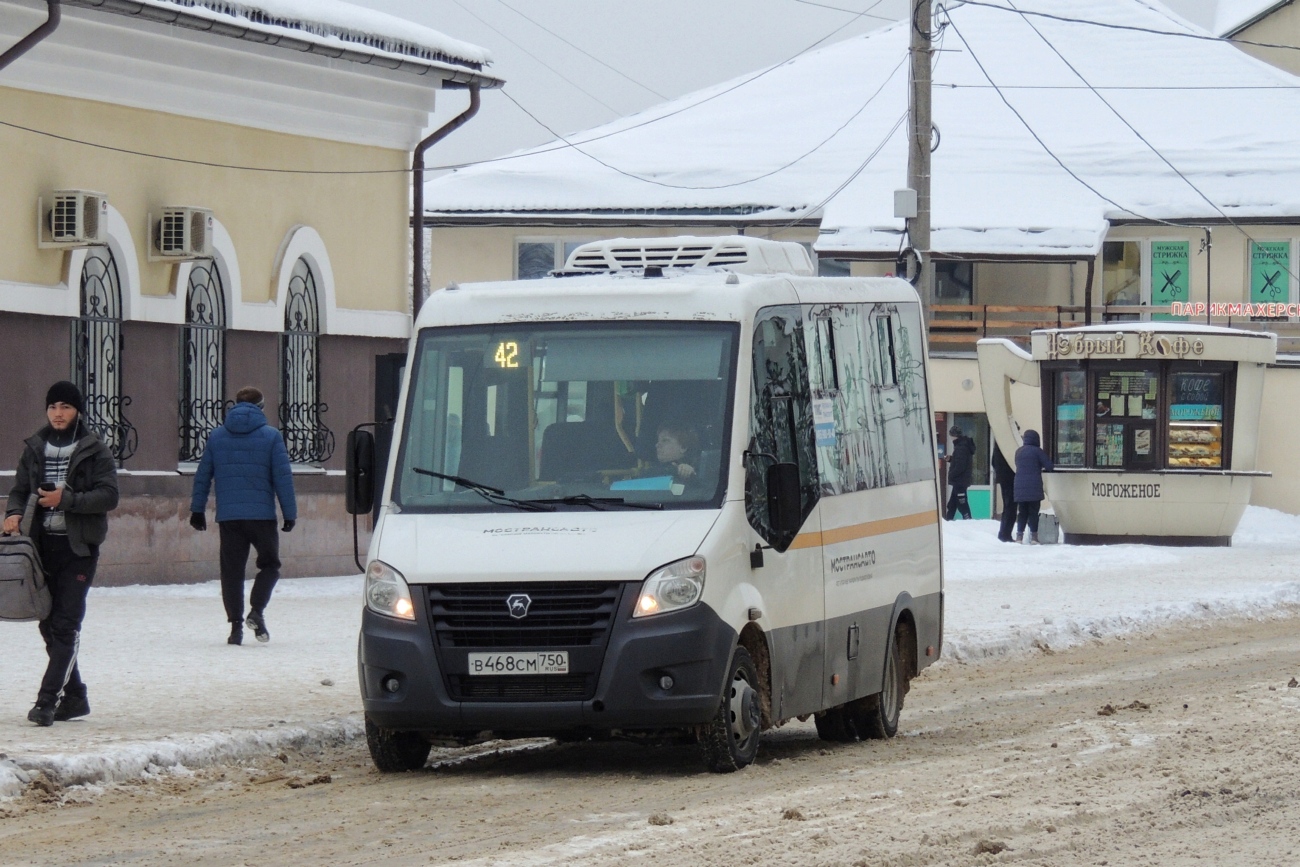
<point x="197" y="196"/>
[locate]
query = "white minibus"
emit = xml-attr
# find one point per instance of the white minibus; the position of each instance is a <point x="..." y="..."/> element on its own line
<point x="683" y="489"/>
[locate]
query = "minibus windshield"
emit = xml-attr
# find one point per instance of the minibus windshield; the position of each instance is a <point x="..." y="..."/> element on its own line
<point x="572" y="416"/>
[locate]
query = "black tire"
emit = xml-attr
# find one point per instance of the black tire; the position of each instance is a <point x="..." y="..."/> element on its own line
<point x="394" y="751"/>
<point x="730" y="741"/>
<point x="876" y="716"/>
<point x="836" y="725"/>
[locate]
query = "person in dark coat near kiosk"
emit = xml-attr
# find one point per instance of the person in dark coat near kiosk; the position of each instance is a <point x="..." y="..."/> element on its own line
<point x="1031" y="463"/>
<point x="961" y="468"/>
<point x="1005" y="477"/>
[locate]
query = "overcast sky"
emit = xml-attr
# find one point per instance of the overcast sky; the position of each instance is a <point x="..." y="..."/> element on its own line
<point x="579" y="63"/>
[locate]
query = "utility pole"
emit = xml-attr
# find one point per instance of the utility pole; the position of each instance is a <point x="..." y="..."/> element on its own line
<point x="918" y="152"/>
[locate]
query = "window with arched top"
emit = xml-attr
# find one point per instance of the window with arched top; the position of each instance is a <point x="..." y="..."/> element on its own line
<point x="306" y="437"/>
<point x="203" y="359"/>
<point x="97" y="353"/>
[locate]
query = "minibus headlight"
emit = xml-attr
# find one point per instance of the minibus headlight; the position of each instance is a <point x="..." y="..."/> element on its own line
<point x="671" y="588"/>
<point x="387" y="593"/>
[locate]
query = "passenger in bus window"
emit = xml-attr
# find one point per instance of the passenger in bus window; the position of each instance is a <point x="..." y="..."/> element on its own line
<point x="677" y="448"/>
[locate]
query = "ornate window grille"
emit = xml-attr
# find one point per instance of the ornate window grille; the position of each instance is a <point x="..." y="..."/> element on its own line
<point x="306" y="437"/>
<point x="203" y="359"/>
<point x="97" y="354"/>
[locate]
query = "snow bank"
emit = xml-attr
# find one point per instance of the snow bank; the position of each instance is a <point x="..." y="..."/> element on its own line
<point x="167" y="693"/>
<point x="1006" y="599"/>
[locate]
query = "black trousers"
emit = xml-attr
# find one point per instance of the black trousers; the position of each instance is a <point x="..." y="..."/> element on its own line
<point x="1027" y="513"/>
<point x="70" y="576"/>
<point x="957" y="502"/>
<point x="1009" y="510"/>
<point x="236" y="538"/>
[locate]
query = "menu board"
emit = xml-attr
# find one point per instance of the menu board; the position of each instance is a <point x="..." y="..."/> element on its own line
<point x="1127" y="394"/>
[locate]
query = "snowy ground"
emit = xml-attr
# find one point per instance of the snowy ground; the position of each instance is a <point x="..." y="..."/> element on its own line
<point x="166" y="690"/>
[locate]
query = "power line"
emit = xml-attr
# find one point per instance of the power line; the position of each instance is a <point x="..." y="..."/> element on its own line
<point x="1145" y="141"/>
<point x="952" y="85"/>
<point x="850" y="11"/>
<point x="655" y="119"/>
<point x="498" y="32"/>
<point x="1032" y="132"/>
<point x="194" y="162"/>
<point x="774" y="171"/>
<point x="854" y="174"/>
<point x="1110" y="25"/>
<point x="582" y="50"/>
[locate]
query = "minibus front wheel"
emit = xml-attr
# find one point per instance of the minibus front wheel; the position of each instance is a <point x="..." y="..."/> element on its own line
<point x="394" y="751"/>
<point x="730" y="741"/>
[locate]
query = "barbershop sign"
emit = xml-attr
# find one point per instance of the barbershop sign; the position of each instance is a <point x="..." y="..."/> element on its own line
<point x="1139" y="344"/>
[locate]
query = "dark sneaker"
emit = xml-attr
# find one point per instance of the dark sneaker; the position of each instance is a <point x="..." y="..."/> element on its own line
<point x="257" y="623"/>
<point x="71" y="707"/>
<point x="236" y="634"/>
<point x="41" y="714"/>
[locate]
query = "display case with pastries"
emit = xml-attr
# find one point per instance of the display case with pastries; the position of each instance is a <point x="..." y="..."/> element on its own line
<point x="1196" y="445"/>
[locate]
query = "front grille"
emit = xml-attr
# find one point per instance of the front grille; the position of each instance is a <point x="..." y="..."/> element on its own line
<point x="550" y="687"/>
<point x="562" y="614"/>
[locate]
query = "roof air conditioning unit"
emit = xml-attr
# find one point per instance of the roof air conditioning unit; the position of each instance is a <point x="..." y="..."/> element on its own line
<point x="72" y="218"/>
<point x="182" y="233"/>
<point x="736" y="253"/>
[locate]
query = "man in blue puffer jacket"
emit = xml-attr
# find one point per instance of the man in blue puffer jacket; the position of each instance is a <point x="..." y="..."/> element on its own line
<point x="248" y="460"/>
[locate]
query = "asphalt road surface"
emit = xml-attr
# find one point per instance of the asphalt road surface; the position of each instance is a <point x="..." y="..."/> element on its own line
<point x="1173" y="749"/>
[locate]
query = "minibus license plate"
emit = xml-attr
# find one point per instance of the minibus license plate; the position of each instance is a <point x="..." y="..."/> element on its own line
<point x="554" y="662"/>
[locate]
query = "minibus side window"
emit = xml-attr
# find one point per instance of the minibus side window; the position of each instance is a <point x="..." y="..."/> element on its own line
<point x="870" y="414"/>
<point x="781" y="418"/>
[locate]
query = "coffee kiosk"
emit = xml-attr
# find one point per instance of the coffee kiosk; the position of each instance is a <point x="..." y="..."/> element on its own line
<point x="1153" y="426"/>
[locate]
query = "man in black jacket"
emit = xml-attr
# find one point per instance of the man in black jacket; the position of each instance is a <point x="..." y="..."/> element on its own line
<point x="960" y="460"/>
<point x="75" y="477"/>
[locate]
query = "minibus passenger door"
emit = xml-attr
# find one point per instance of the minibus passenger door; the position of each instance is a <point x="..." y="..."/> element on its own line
<point x="780" y="502"/>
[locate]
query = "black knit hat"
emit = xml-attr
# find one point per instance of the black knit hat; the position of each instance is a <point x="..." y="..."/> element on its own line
<point x="65" y="392"/>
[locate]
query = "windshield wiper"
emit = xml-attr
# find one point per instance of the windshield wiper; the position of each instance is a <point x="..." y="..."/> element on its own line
<point x="496" y="496"/>
<point x="599" y="503"/>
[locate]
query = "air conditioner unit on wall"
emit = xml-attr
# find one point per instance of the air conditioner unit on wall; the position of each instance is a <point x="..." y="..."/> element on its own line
<point x="181" y="233"/>
<point x="71" y="218"/>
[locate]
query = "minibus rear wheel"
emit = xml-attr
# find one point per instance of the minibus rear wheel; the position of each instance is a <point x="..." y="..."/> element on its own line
<point x="836" y="725"/>
<point x="730" y="741"/>
<point x="394" y="751"/>
<point x="876" y="716"/>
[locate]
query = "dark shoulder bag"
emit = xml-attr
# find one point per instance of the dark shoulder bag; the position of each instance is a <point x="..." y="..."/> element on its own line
<point x="24" y="595"/>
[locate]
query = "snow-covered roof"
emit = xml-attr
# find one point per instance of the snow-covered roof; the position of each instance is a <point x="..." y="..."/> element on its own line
<point x="823" y="135"/>
<point x="343" y="28"/>
<point x="1230" y="16"/>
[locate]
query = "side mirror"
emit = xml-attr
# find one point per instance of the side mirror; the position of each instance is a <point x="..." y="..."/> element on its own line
<point x="359" y="494"/>
<point x="784" y="506"/>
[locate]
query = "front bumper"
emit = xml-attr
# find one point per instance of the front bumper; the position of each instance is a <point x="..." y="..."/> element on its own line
<point x="693" y="647"/>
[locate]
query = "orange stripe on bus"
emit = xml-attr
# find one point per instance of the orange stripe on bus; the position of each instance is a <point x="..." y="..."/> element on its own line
<point x="861" y="531"/>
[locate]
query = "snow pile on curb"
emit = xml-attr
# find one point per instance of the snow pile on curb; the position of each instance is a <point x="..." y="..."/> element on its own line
<point x="132" y="761"/>
<point x="1007" y="600"/>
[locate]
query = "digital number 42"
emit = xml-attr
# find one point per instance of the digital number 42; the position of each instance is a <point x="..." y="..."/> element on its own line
<point x="507" y="354"/>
